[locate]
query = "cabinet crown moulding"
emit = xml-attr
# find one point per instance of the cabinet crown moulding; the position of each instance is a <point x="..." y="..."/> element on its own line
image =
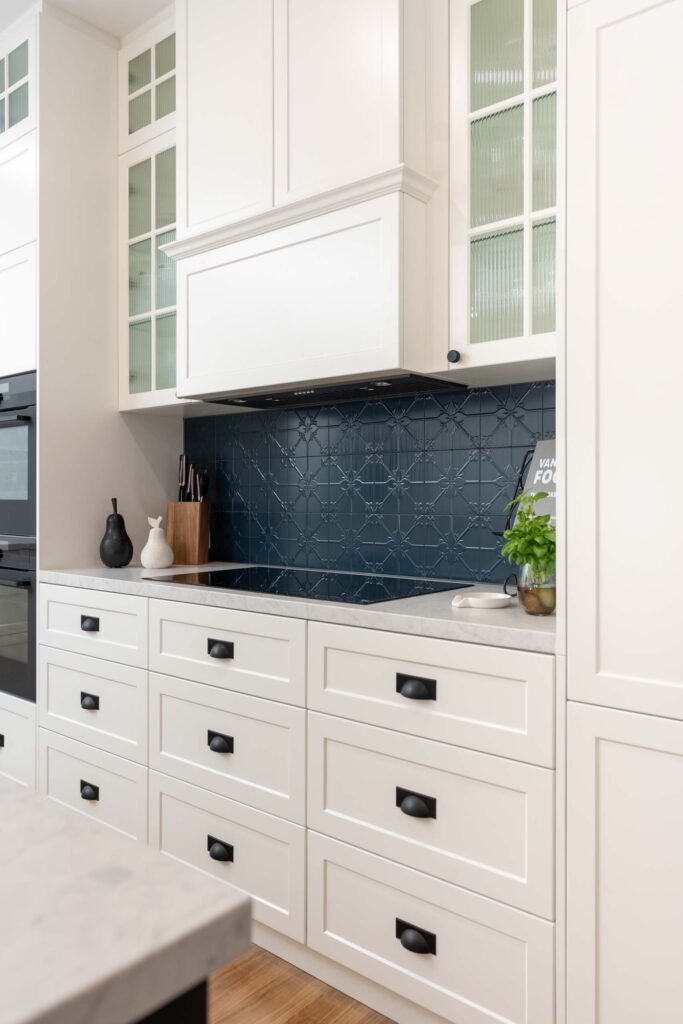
<point x="397" y="179"/>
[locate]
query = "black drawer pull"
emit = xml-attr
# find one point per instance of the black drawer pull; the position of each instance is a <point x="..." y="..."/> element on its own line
<point x="414" y="939"/>
<point x="89" y="701"/>
<point x="88" y="791"/>
<point x="218" y="850"/>
<point x="415" y="687"/>
<point x="2" y="740"/>
<point x="415" y="805"/>
<point x="90" y="624"/>
<point x="220" y="743"/>
<point x="220" y="649"/>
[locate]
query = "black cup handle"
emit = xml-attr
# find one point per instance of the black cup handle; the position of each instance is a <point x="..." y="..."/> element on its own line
<point x="414" y="939"/>
<point x="415" y="687"/>
<point x="512" y="580"/>
<point x="219" y="850"/>
<point x="90" y="702"/>
<point x="88" y="791"/>
<point x="220" y="649"/>
<point x="90" y="624"/>
<point x="415" y="805"/>
<point x="220" y="743"/>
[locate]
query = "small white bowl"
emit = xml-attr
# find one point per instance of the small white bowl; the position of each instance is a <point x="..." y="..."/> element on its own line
<point x="481" y="601"/>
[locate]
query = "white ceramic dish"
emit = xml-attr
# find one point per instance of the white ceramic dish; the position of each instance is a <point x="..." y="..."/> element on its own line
<point x="481" y="600"/>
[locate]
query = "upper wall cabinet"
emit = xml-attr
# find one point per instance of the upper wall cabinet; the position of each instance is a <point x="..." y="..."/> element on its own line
<point x="18" y="92"/>
<point x="504" y="113"/>
<point x="147" y="86"/>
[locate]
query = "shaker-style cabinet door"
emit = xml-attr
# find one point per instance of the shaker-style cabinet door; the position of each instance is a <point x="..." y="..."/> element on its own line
<point x="225" y="111"/>
<point x="624" y="355"/>
<point x="624" y="856"/>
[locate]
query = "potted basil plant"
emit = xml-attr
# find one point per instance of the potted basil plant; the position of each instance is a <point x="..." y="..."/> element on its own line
<point x="530" y="544"/>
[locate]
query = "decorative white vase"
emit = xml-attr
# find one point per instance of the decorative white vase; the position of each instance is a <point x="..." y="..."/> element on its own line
<point x="157" y="552"/>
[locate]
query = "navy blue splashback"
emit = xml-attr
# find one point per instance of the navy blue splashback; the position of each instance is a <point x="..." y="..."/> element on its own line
<point x="413" y="486"/>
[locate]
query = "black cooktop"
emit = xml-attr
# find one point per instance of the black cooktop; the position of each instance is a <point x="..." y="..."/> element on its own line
<point x="347" y="587"/>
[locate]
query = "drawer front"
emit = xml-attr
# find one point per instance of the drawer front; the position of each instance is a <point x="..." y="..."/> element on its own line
<point x="486" y="698"/>
<point x="18" y="740"/>
<point x="262" y="655"/>
<point x="103" y="786"/>
<point x="98" y="702"/>
<point x="249" y="749"/>
<point x="490" y="826"/>
<point x="268" y="854"/>
<point x="491" y="963"/>
<point x="103" y="625"/>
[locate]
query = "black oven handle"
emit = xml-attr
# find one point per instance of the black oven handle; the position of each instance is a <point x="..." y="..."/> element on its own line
<point x="16" y="583"/>
<point x="12" y="421"/>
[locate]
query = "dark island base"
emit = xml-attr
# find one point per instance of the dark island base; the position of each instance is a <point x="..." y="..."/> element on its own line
<point x="189" y="1008"/>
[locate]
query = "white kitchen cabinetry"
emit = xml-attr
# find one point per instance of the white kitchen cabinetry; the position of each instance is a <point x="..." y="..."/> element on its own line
<point x="18" y="193"/>
<point x="18" y="80"/>
<point x="625" y="291"/>
<point x="18" y="310"/>
<point x="147" y="85"/>
<point x="625" y="849"/>
<point x="18" y="740"/>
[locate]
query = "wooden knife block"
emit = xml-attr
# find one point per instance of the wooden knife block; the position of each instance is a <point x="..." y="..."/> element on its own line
<point x="187" y="531"/>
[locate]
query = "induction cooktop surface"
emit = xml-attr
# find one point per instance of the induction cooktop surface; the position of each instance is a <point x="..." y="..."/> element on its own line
<point x="346" y="587"/>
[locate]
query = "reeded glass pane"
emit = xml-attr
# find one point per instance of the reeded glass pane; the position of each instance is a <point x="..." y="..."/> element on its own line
<point x="496" y="166"/>
<point x="497" y="286"/>
<point x="166" y="352"/>
<point x="165" y="187"/>
<point x="544" y="151"/>
<point x="139" y="112"/>
<point x="140" y="277"/>
<point x="17" y="105"/>
<point x="165" y="98"/>
<point x="545" y="42"/>
<point x="2" y="74"/>
<point x="496" y="51"/>
<point x="543" y="259"/>
<point x="2" y="115"/>
<point x="165" y="267"/>
<point x="17" y="64"/>
<point x="139" y="71"/>
<point x="164" y="56"/>
<point x="140" y="357"/>
<point x="140" y="199"/>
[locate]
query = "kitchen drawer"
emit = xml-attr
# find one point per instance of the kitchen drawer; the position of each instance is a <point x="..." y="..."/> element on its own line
<point x="96" y="701"/>
<point x="487" y="698"/>
<point x="94" y="622"/>
<point x="491" y="963"/>
<point x="263" y="655"/>
<point x="103" y="786"/>
<point x="18" y="740"/>
<point x="259" y="746"/>
<point x="492" y="826"/>
<point x="268" y="854"/>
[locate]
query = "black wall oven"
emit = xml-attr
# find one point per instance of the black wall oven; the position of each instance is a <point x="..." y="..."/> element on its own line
<point x="18" y="536"/>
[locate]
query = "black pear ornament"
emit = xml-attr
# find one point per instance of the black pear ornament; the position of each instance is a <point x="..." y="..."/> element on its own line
<point x="116" y="549"/>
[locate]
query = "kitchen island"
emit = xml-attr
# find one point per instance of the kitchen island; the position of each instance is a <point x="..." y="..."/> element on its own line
<point x="99" y="929"/>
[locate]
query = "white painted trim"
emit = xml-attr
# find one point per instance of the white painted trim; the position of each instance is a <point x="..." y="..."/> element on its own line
<point x="397" y="179"/>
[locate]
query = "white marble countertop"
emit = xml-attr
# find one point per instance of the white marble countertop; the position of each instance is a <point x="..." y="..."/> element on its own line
<point x="427" y="615"/>
<point x="97" y="928"/>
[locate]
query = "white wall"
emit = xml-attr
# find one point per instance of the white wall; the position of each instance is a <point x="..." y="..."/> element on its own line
<point x="88" y="452"/>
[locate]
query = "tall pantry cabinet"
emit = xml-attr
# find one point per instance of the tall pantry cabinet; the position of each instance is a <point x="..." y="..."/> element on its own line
<point x="625" y="547"/>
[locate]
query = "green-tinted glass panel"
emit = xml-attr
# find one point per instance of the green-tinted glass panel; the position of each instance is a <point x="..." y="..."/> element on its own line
<point x="140" y="357"/>
<point x="139" y="112"/>
<point x="2" y="114"/>
<point x="140" y="277"/>
<point x="165" y="188"/>
<point x="496" y="167"/>
<point x="496" y="51"/>
<point x="2" y="74"/>
<point x="544" y="144"/>
<point x="140" y="199"/>
<point x="165" y="97"/>
<point x="545" y="42"/>
<point x="139" y="71"/>
<point x="543" y="286"/>
<point x="165" y="270"/>
<point x="17" y="64"/>
<point x="17" y="105"/>
<point x="497" y="286"/>
<point x="166" y="376"/>
<point x="164" y="56"/>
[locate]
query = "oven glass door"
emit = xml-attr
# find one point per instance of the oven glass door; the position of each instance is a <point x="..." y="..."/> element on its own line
<point x="17" y="633"/>
<point x="17" y="473"/>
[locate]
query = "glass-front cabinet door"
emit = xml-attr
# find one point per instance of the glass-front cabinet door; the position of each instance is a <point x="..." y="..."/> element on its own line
<point x="504" y="111"/>
<point x="17" y="80"/>
<point x="148" y="292"/>
<point x="147" y="86"/>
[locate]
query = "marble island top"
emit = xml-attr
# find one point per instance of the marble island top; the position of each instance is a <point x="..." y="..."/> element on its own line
<point x="100" y="929"/>
<point x="427" y="615"/>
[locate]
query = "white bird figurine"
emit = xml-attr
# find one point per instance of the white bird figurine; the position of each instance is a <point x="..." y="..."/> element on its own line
<point x="157" y="552"/>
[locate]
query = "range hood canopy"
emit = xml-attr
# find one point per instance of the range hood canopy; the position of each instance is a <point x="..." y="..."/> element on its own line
<point x="327" y="393"/>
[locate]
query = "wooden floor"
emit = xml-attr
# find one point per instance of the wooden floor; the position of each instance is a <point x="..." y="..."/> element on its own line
<point x="259" y="988"/>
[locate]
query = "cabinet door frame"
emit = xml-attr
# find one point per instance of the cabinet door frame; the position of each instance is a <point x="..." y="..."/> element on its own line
<point x="133" y="45"/>
<point x="23" y="351"/>
<point x="18" y="32"/>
